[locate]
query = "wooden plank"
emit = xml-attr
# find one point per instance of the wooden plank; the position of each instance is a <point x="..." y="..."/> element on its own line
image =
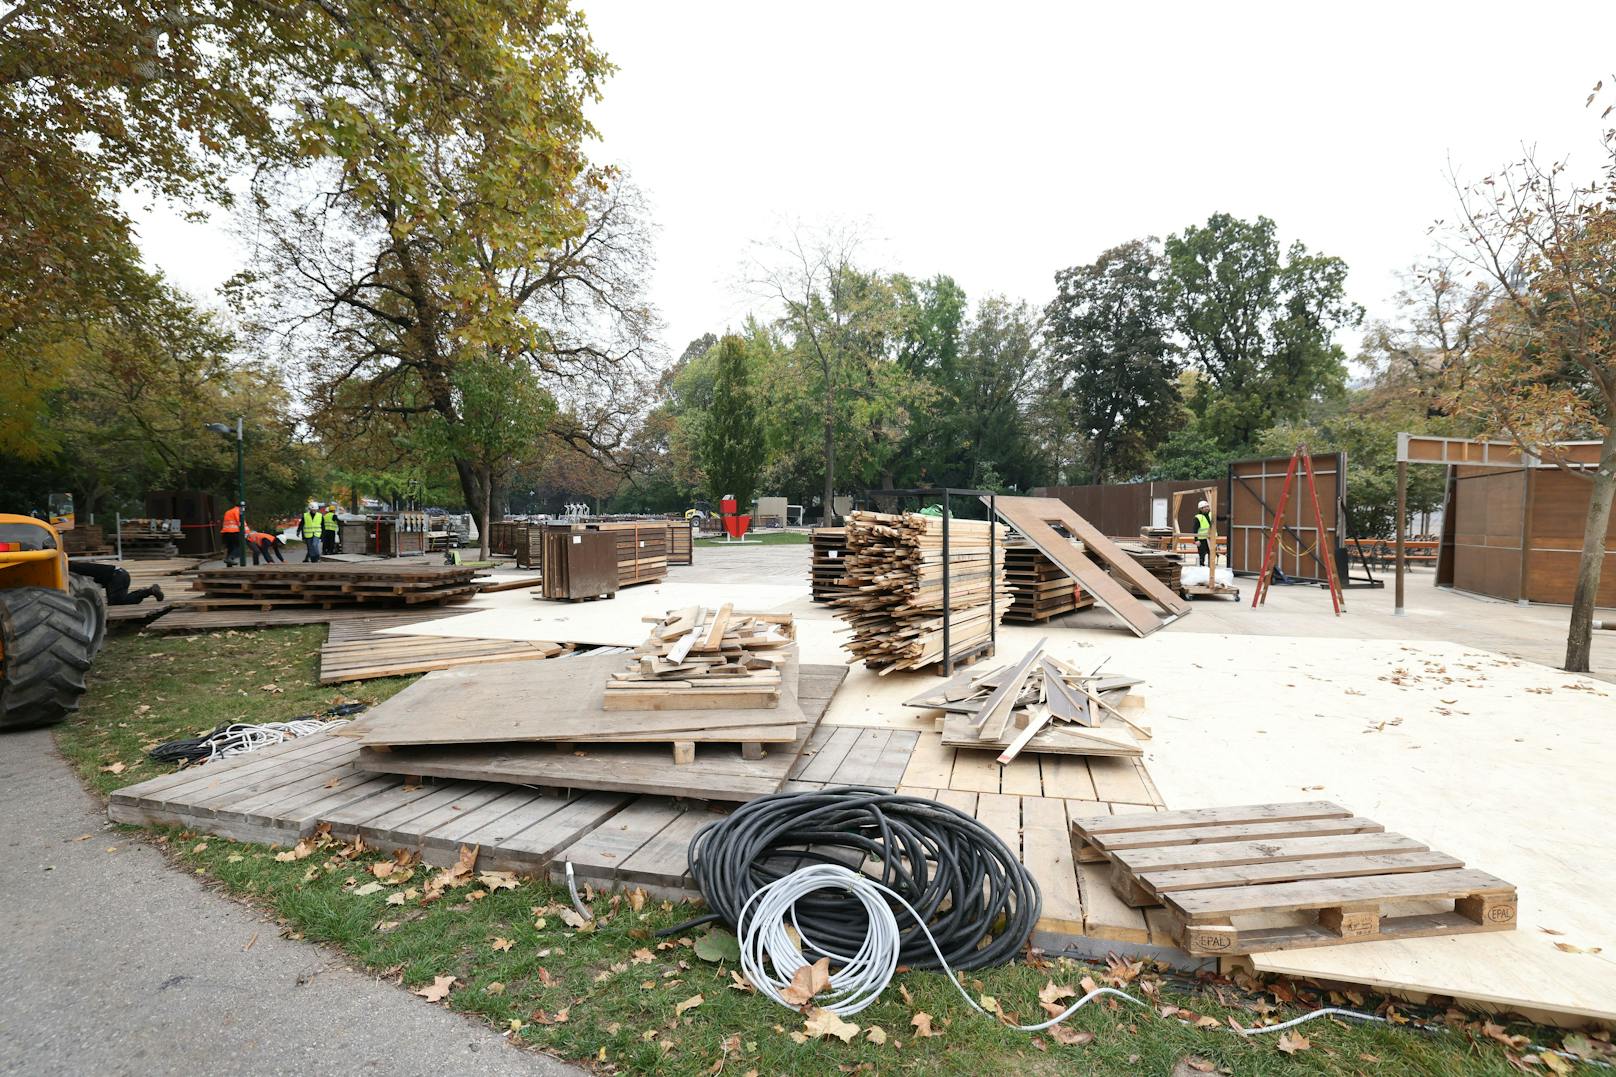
<point x="1105" y="915"/>
<point x="994" y="715"/>
<point x="1021" y="777"/>
<point x="1068" y="777"/>
<point x="664" y="860"/>
<point x="600" y="854"/>
<point x="1047" y="852"/>
<point x="1246" y="813"/>
<point x="976" y="772"/>
<point x="825" y="752"/>
<point x="1336" y="867"/>
<point x="537" y="844"/>
<point x="1249" y="832"/>
<point x="894" y="759"/>
<point x="958" y="799"/>
<point x="1324" y="893"/>
<point x="859" y="765"/>
<point x="1229" y="854"/>
<point x="930" y="764"/>
<point x="1119" y="780"/>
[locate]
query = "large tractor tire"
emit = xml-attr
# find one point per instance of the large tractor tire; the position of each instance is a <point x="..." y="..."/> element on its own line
<point x="92" y="603"/>
<point x="49" y="639"/>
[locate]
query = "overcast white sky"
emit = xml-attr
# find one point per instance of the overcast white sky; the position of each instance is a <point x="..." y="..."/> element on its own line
<point x="1001" y="142"/>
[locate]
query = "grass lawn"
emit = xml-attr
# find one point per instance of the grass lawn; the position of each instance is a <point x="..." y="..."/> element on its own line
<point x="765" y="538"/>
<point x="612" y="995"/>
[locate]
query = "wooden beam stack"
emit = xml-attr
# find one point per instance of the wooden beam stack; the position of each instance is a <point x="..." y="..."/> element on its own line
<point x="1039" y="704"/>
<point x="1041" y="588"/>
<point x="829" y="556"/>
<point x="700" y="659"/>
<point x="334" y="584"/>
<point x="893" y="576"/>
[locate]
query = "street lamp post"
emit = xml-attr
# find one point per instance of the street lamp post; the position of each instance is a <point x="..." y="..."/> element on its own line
<point x="241" y="456"/>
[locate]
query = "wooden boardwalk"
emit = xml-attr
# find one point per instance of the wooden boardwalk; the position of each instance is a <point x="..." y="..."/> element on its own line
<point x="622" y="840"/>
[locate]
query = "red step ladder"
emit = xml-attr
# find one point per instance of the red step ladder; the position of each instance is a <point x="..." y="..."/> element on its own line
<point x="1301" y="457"/>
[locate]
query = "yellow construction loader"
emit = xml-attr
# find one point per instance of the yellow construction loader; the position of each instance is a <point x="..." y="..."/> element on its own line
<point x="52" y="623"/>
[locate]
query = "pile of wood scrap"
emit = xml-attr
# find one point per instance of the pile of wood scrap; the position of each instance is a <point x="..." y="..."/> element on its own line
<point x="894" y="572"/>
<point x="333" y="584"/>
<point x="1039" y="704"/>
<point x="701" y="659"/>
<point x="1165" y="567"/>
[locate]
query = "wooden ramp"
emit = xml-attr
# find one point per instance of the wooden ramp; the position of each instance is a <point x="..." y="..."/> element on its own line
<point x="1050" y="525"/>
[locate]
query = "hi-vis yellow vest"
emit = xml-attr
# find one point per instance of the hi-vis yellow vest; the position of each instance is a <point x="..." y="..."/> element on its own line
<point x="1203" y="525"/>
<point x="312" y="525"/>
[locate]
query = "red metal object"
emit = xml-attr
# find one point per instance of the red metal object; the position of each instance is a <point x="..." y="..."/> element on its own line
<point x="1260" y="592"/>
<point x="736" y="525"/>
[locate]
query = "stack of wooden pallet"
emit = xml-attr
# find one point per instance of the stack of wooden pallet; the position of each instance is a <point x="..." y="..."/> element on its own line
<point x="894" y="576"/>
<point x="149" y="540"/>
<point x="829" y="557"/>
<point x="1040" y="704"/>
<point x="86" y="540"/>
<point x="551" y="723"/>
<point x="1041" y="588"/>
<point x="1165" y="567"/>
<point x="681" y="543"/>
<point x="333" y="584"/>
<point x="700" y="659"/>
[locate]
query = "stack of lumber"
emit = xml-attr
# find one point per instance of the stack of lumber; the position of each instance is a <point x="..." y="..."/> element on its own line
<point x="700" y="659"/>
<point x="1234" y="880"/>
<point x="502" y="536"/>
<point x="86" y="540"/>
<point x="334" y="584"/>
<point x="361" y="648"/>
<point x="681" y="543"/>
<point x="1040" y="587"/>
<point x="1165" y="567"/>
<point x="894" y="578"/>
<point x="829" y="555"/>
<point x="1040" y="704"/>
<point x="149" y="540"/>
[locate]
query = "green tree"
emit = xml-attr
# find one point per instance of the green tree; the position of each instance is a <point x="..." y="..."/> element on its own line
<point x="454" y="219"/>
<point x="730" y="443"/>
<point x="502" y="417"/>
<point x="1259" y="324"/>
<point x="1111" y="361"/>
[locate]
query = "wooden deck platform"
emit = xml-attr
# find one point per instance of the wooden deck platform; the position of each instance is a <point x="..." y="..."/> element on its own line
<point x="622" y="840"/>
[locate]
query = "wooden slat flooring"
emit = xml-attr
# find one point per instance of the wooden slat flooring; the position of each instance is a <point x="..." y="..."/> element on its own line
<point x="612" y="839"/>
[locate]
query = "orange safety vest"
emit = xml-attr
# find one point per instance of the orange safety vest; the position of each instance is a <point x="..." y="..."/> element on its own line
<point x="232" y="520"/>
<point x="256" y="537"/>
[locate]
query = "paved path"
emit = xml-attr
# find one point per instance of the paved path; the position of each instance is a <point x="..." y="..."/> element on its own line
<point x="111" y="962"/>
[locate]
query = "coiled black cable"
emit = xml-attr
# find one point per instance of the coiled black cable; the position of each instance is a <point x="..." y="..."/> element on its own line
<point x="959" y="876"/>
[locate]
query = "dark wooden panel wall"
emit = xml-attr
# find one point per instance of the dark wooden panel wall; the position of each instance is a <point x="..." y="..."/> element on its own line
<point x="1488" y="510"/>
<point x="1120" y="509"/>
<point x="1254" y="490"/>
<point x="1554" y="548"/>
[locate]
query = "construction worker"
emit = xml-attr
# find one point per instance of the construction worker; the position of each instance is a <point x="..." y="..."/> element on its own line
<point x="331" y="541"/>
<point x="115" y="582"/>
<point x="1203" y="533"/>
<point x="231" y="529"/>
<point x="266" y="546"/>
<point x="313" y="529"/>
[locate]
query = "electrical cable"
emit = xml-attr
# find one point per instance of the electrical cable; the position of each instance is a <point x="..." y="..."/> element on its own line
<point x="867" y="972"/>
<point x="952" y="882"/>
<point x="236" y="738"/>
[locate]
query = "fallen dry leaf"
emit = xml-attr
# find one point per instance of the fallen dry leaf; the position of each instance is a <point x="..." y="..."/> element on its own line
<point x="498" y="880"/>
<point x="1291" y="1042"/>
<point x="1071" y="1037"/>
<point x="115" y="768"/>
<point x="368" y="888"/>
<point x="438" y="990"/>
<point x="876" y="1034"/>
<point x="300" y="851"/>
<point x="807" y="981"/>
<point x="688" y="1004"/>
<point x="501" y="943"/>
<point x="495" y="988"/>
<point x="822" y="1022"/>
<point x="922" y="1025"/>
<point x="1570" y="949"/>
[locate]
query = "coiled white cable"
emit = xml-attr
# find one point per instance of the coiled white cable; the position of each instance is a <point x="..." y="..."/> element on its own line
<point x="862" y="977"/>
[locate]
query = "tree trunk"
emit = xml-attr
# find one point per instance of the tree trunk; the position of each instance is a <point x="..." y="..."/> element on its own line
<point x="1579" y="641"/>
<point x="482" y="522"/>
<point x="828" y="518"/>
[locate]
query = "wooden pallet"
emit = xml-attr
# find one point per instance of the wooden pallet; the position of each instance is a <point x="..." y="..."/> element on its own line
<point x="358" y="649"/>
<point x="339" y="583"/>
<point x="1040" y="590"/>
<point x="829" y="546"/>
<point x="1349" y="878"/>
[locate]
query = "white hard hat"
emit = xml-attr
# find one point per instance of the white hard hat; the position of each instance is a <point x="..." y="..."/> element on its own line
<point x="1203" y="505"/>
